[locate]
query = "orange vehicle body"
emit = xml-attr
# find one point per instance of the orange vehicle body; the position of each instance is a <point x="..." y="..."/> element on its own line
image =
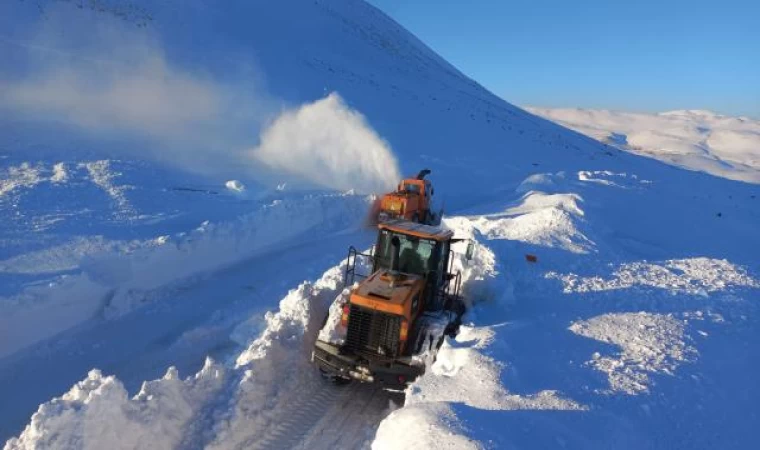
<point x="391" y="294"/>
<point x="406" y="304"/>
<point x="411" y="201"/>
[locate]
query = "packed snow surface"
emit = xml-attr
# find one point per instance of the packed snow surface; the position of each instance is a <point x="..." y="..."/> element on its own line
<point x="171" y="249"/>
<point x="650" y="343"/>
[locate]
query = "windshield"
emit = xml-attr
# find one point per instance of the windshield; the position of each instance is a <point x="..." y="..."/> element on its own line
<point x="416" y="255"/>
<point x="412" y="188"/>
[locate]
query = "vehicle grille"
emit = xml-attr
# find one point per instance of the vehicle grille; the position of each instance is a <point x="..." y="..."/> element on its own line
<point x="369" y="331"/>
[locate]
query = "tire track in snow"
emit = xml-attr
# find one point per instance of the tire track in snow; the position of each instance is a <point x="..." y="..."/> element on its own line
<point x="352" y="421"/>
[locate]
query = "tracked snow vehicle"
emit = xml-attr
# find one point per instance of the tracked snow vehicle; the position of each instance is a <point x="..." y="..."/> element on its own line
<point x="390" y="325"/>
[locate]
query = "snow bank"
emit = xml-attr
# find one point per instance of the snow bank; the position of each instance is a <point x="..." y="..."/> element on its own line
<point x="547" y="220"/>
<point x="484" y="278"/>
<point x="97" y="413"/>
<point x="115" y="284"/>
<point x="333" y="332"/>
<point x="295" y="314"/>
<point x="433" y="425"/>
<point x="211" y="246"/>
<point x="216" y="408"/>
<point x="67" y="255"/>
<point x="276" y="375"/>
<point x="43" y="311"/>
<point x="464" y="374"/>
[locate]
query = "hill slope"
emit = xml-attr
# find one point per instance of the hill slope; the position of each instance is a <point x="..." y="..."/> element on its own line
<point x="123" y="122"/>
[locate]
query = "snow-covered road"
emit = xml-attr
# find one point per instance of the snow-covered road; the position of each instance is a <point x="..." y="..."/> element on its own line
<point x="185" y="322"/>
<point x="591" y="335"/>
<point x="163" y="269"/>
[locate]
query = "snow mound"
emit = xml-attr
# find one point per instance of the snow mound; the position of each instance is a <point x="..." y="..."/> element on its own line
<point x="464" y="374"/>
<point x="276" y="374"/>
<point x="216" y="408"/>
<point x="432" y="425"/>
<point x="483" y="277"/>
<point x="545" y="220"/>
<point x="235" y="186"/>
<point x="98" y="413"/>
<point x="649" y="343"/>
<point x="333" y="332"/>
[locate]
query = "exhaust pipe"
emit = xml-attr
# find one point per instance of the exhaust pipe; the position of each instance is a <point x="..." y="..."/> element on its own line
<point x="395" y="255"/>
<point x="423" y="173"/>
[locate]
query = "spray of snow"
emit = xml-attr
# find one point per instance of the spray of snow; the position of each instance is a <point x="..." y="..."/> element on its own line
<point x="198" y="122"/>
<point x="106" y="79"/>
<point x="329" y="144"/>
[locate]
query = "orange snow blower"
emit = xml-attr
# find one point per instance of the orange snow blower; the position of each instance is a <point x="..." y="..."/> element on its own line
<point x="411" y="201"/>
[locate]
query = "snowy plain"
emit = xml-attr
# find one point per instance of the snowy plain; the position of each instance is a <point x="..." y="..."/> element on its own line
<point x="162" y="285"/>
<point x="693" y="139"/>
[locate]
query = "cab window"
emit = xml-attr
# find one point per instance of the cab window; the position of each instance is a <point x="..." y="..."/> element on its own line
<point x="413" y="188"/>
<point x="416" y="256"/>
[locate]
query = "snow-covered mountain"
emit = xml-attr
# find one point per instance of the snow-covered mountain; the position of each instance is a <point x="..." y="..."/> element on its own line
<point x="694" y="139"/>
<point x="179" y="183"/>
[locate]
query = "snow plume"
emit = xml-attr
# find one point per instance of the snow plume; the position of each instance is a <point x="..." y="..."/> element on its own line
<point x="108" y="80"/>
<point x="329" y="144"/>
<point x="105" y="79"/>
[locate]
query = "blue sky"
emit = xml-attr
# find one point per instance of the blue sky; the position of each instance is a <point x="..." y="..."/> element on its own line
<point x="640" y="55"/>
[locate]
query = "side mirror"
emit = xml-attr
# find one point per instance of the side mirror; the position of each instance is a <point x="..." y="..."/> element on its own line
<point x="470" y="250"/>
